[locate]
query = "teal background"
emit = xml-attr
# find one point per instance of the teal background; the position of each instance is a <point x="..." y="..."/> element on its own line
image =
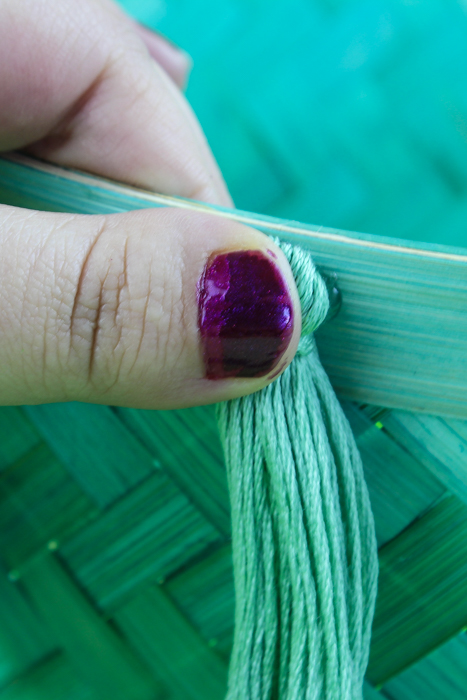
<point x="342" y="113"/>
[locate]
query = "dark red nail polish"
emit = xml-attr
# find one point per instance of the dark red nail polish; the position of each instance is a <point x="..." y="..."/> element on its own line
<point x="245" y="314"/>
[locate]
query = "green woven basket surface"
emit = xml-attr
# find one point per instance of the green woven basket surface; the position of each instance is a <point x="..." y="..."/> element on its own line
<point x="115" y="559"/>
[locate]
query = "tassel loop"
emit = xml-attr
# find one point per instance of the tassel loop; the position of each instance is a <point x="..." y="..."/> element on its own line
<point x="312" y="289"/>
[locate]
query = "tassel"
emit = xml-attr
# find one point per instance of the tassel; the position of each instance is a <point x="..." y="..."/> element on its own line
<point x="303" y="538"/>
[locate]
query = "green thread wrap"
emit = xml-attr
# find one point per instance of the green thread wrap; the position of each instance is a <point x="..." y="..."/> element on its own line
<point x="304" y="545"/>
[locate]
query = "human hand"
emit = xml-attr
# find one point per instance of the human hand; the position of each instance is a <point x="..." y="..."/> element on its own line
<point x="105" y="308"/>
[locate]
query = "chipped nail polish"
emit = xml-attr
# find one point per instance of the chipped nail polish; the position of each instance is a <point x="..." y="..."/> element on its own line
<point x="245" y="314"/>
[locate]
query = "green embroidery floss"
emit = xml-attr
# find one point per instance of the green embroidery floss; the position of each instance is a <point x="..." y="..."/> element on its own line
<point x="304" y="545"/>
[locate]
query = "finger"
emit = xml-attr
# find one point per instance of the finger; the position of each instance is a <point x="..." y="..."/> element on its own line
<point x="79" y="88"/>
<point x="152" y="309"/>
<point x="176" y="63"/>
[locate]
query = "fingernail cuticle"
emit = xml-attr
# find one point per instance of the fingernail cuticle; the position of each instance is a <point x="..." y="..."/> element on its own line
<point x="245" y="314"/>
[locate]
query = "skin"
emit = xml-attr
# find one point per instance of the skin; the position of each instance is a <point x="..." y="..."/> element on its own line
<point x="103" y="309"/>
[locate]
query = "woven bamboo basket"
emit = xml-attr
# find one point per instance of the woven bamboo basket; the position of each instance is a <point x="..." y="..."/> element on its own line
<point x="115" y="557"/>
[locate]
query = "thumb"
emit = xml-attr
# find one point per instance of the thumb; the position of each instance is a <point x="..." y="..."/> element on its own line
<point x="151" y="309"/>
